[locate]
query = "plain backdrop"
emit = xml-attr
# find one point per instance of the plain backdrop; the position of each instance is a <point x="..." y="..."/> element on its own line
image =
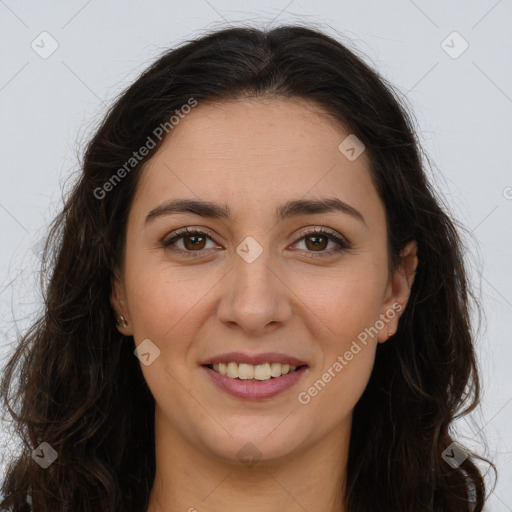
<point x="63" y="63"/>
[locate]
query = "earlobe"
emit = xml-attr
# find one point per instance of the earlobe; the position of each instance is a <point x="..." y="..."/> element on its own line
<point x="121" y="321"/>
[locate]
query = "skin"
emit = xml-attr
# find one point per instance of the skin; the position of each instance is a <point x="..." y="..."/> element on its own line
<point x="254" y="155"/>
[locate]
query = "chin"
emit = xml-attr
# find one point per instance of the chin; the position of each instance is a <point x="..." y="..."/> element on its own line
<point x="255" y="446"/>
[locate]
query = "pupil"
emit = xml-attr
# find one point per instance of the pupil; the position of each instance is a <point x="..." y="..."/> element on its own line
<point x="195" y="237"/>
<point x="316" y="238"/>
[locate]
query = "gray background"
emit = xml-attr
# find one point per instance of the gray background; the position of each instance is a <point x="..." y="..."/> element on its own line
<point x="462" y="103"/>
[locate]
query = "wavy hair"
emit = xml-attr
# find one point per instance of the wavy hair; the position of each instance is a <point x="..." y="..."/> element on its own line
<point x="73" y="380"/>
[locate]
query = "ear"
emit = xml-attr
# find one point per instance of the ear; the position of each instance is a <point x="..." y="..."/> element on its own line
<point x="398" y="291"/>
<point x="118" y="303"/>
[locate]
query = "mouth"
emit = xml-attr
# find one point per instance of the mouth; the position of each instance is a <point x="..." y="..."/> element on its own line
<point x="249" y="372"/>
<point x="255" y="382"/>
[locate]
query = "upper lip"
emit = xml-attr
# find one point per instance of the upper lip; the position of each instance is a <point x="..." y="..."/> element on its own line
<point x="254" y="359"/>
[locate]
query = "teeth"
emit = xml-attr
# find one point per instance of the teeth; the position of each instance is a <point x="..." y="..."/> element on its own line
<point x="232" y="370"/>
<point x="248" y="371"/>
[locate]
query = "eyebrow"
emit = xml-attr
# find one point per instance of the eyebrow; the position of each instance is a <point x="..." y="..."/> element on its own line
<point x="221" y="211"/>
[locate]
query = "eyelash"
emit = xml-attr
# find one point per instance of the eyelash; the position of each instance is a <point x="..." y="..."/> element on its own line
<point x="343" y="244"/>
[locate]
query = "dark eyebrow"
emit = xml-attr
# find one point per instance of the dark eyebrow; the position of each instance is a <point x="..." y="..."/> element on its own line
<point x="222" y="211"/>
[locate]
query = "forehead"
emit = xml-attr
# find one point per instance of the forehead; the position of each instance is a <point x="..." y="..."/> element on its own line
<point x="254" y="151"/>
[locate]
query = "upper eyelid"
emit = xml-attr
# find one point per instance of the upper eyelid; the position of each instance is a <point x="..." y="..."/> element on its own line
<point x="312" y="230"/>
<point x="188" y="230"/>
<point x="179" y="233"/>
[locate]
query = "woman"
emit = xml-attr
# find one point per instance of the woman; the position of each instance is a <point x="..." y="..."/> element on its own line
<point x="254" y="224"/>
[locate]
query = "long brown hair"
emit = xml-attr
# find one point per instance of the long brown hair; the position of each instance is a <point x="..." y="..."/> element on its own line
<point x="73" y="381"/>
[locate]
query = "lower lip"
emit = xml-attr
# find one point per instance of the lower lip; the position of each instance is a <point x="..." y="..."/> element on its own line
<point x="255" y="389"/>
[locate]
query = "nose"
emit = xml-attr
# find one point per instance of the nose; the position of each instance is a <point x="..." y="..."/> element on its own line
<point x="254" y="296"/>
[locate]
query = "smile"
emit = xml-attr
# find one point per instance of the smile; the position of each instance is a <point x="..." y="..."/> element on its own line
<point x="255" y="382"/>
<point x="242" y="371"/>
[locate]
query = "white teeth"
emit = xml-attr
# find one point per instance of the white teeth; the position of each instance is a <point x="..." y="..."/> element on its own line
<point x="245" y="371"/>
<point x="277" y="369"/>
<point x="232" y="370"/>
<point x="248" y="371"/>
<point x="262" y="372"/>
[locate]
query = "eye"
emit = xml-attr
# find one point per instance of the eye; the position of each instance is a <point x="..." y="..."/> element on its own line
<point x="194" y="241"/>
<point x="319" y="237"/>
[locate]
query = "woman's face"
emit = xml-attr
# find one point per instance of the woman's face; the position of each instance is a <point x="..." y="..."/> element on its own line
<point x="259" y="284"/>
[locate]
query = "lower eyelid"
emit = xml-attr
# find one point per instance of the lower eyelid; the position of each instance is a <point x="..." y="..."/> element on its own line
<point x="341" y="243"/>
<point x="168" y="242"/>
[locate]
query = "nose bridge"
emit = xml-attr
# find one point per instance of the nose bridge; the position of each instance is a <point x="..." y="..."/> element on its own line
<point x="255" y="296"/>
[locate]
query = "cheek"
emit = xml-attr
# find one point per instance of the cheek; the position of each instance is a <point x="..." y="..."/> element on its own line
<point x="345" y="316"/>
<point x="161" y="298"/>
<point x="332" y="392"/>
<point x="347" y="357"/>
<point x="165" y="311"/>
<point x="346" y="300"/>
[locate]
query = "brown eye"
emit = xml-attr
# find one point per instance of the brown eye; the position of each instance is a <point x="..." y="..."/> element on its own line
<point x="196" y="241"/>
<point x="193" y="242"/>
<point x="317" y="242"/>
